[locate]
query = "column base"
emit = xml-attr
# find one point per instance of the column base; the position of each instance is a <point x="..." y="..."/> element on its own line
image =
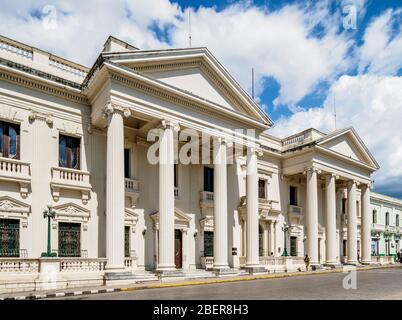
<point x="255" y="269"/>
<point x="367" y="263"/>
<point x="224" y="271"/>
<point x="170" y="275"/>
<point x="113" y="278"/>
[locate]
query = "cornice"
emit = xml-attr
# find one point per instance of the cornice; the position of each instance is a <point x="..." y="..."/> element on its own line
<point x="43" y="85"/>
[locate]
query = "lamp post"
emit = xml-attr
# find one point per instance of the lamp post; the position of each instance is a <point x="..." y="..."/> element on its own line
<point x="49" y="213"/>
<point x="285" y="228"/>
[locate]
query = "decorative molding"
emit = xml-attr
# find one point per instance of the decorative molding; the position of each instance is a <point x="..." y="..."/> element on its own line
<point x="181" y="219"/>
<point x="72" y="212"/>
<point x="40" y="86"/>
<point x="35" y="115"/>
<point x="8" y="113"/>
<point x="197" y="63"/>
<point x="111" y="108"/>
<point x="170" y="124"/>
<point x="13" y="208"/>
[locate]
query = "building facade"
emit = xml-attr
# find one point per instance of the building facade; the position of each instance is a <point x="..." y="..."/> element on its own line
<point x="79" y="140"/>
<point x="387" y="228"/>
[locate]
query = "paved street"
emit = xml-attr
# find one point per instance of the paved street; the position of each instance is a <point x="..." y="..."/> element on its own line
<point x="372" y="284"/>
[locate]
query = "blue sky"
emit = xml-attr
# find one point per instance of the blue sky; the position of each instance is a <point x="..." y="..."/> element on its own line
<point x="306" y="60"/>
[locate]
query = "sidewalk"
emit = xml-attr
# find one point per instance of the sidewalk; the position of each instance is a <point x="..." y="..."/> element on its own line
<point x="158" y="284"/>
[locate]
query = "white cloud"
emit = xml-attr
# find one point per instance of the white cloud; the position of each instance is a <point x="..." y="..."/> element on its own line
<point x="372" y="105"/>
<point x="382" y="49"/>
<point x="280" y="43"/>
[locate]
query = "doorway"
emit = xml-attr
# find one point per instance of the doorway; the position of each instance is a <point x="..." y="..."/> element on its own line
<point x="178" y="249"/>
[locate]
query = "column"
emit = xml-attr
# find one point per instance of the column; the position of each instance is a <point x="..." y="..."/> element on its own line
<point x="272" y="238"/>
<point x="166" y="196"/>
<point x="252" y="259"/>
<point x="366" y="224"/>
<point x="220" y="206"/>
<point x="352" y="223"/>
<point x="330" y="228"/>
<point x="115" y="188"/>
<point x="265" y="248"/>
<point x="312" y="216"/>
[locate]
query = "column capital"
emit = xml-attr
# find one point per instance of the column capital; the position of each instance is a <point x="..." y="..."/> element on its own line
<point x="170" y="124"/>
<point x="255" y="149"/>
<point x="312" y="169"/>
<point x="111" y="108"/>
<point x="331" y="175"/>
<point x="224" y="140"/>
<point x="353" y="182"/>
<point x="365" y="185"/>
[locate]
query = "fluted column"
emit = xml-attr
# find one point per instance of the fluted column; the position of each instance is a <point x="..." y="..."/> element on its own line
<point x="252" y="259"/>
<point x="366" y="224"/>
<point x="330" y="227"/>
<point x="115" y="188"/>
<point x="312" y="216"/>
<point x="220" y="205"/>
<point x="352" y="223"/>
<point x="166" y="196"/>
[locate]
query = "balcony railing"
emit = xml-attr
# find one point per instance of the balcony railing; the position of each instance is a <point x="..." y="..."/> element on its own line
<point x="131" y="185"/>
<point x="207" y="263"/>
<point x="18" y="265"/>
<point x="207" y="196"/>
<point x="176" y="193"/>
<point x="206" y="199"/>
<point x="296" y="210"/>
<point x="17" y="171"/>
<point x="82" y="265"/>
<point x="66" y="178"/>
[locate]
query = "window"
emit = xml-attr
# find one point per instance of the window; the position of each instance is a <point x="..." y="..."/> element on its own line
<point x="387" y="219"/>
<point x="208" y="244"/>
<point x="344" y="248"/>
<point x="69" y="152"/>
<point x="262" y="189"/>
<point x="176" y="176"/>
<point x="9" y="140"/>
<point x="374" y="216"/>
<point x="69" y="239"/>
<point x="293" y="196"/>
<point x="293" y="246"/>
<point x="397" y="220"/>
<point x="343" y="205"/>
<point x="9" y="238"/>
<point x="127" y="163"/>
<point x="208" y="179"/>
<point x="126" y="241"/>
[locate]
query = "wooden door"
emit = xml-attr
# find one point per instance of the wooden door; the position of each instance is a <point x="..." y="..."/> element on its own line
<point x="178" y="249"/>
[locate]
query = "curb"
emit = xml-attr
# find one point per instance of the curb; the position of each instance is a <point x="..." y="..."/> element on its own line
<point x="184" y="284"/>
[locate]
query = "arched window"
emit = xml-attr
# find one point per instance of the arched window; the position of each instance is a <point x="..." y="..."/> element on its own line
<point x="387" y="219"/>
<point x="374" y="216"/>
<point x="397" y="220"/>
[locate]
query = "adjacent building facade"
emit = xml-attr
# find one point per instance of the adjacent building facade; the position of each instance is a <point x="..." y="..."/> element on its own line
<point x="387" y="228"/>
<point x="78" y="139"/>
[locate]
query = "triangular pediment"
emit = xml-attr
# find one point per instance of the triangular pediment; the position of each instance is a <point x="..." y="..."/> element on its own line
<point x="9" y="204"/>
<point x="194" y="71"/>
<point x="180" y="218"/>
<point x="130" y="216"/>
<point x="71" y="210"/>
<point x="347" y="143"/>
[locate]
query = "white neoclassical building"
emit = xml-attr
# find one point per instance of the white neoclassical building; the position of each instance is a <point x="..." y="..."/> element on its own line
<point x="77" y="139"/>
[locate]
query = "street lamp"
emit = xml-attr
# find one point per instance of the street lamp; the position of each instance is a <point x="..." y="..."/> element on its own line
<point x="285" y="228"/>
<point x="49" y="213"/>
